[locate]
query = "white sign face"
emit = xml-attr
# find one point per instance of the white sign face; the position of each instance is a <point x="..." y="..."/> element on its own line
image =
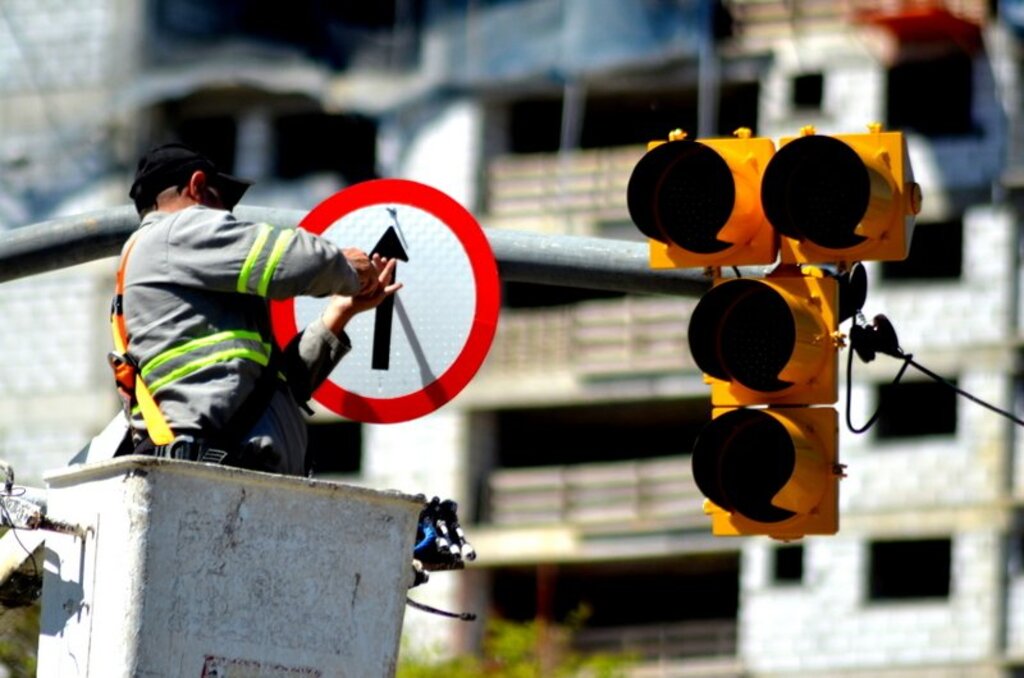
<point x="423" y="331"/>
<point x="419" y="348"/>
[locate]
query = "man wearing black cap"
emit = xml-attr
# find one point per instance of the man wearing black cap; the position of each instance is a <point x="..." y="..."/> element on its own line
<point x="191" y="321"/>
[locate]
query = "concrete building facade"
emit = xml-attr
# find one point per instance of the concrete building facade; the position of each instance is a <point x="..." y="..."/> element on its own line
<point x="569" y="452"/>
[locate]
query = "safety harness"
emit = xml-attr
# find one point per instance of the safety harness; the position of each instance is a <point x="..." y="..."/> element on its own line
<point x="135" y="393"/>
<point x="130" y="386"/>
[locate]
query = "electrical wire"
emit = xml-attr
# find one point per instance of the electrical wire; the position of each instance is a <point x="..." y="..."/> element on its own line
<point x="965" y="394"/>
<point x="849" y="391"/>
<point x="463" y="616"/>
<point x="908" y="361"/>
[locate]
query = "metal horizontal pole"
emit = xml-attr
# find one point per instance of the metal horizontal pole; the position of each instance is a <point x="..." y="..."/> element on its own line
<point x="569" y="261"/>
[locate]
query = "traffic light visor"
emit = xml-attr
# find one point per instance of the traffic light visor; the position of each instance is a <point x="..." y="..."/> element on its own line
<point x="699" y="202"/>
<point x="769" y="466"/>
<point x="743" y="330"/>
<point x="683" y="193"/>
<point x="741" y="460"/>
<point x="767" y="340"/>
<point x="842" y="198"/>
<point x="817" y="188"/>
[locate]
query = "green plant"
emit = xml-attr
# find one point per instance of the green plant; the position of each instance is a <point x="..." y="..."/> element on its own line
<point x="519" y="650"/>
<point x="19" y="619"/>
<point x="19" y="636"/>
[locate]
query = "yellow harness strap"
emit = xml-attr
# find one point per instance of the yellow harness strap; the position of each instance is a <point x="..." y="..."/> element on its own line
<point x="156" y="424"/>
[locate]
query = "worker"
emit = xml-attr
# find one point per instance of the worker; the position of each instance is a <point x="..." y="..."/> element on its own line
<point x="196" y="363"/>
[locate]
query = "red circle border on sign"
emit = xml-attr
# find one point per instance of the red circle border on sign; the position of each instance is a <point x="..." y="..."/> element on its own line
<point x="485" y="318"/>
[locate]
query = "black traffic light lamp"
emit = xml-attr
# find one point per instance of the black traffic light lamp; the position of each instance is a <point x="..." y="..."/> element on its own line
<point x="842" y="198"/>
<point x="699" y="201"/>
<point x="770" y="471"/>
<point x="770" y="340"/>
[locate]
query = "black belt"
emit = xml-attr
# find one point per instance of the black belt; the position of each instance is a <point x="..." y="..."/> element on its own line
<point x="188" y="448"/>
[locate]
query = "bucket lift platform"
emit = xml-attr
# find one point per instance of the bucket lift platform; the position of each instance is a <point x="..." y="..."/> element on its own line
<point x="186" y="569"/>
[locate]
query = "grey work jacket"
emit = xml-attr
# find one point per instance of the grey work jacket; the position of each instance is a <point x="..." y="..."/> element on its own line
<point x="197" y="283"/>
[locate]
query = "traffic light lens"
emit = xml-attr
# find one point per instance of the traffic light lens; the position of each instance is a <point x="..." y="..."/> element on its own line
<point x="743" y="330"/>
<point x="757" y="339"/>
<point x="742" y="460"/>
<point x="696" y="199"/>
<point x="818" y="188"/>
<point x="682" y="192"/>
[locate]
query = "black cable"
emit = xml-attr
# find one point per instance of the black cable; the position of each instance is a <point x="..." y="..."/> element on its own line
<point x="872" y="345"/>
<point x="849" y="390"/>
<point x="463" y="616"/>
<point x="972" y="398"/>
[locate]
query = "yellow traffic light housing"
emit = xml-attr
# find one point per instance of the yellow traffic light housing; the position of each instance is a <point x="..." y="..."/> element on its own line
<point x="767" y="462"/>
<point x="768" y="346"/>
<point x="768" y="340"/>
<point x="842" y="198"/>
<point x="699" y="202"/>
<point x="770" y="471"/>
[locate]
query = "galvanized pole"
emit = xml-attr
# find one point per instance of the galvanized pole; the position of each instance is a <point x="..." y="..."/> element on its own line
<point x="568" y="261"/>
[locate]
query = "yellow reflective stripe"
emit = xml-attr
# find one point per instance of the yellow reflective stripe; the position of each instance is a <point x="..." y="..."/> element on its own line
<point x="138" y="408"/>
<point x="282" y="241"/>
<point x="218" y="357"/>
<point x="250" y="259"/>
<point x="202" y="342"/>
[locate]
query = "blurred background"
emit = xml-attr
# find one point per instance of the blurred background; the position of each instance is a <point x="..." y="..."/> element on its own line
<point x="569" y="452"/>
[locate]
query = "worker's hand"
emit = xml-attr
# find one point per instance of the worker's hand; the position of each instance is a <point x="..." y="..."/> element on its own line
<point x="364" y="267"/>
<point x="340" y="309"/>
<point x="384" y="288"/>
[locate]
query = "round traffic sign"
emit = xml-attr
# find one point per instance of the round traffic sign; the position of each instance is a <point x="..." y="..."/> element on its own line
<point x="419" y="349"/>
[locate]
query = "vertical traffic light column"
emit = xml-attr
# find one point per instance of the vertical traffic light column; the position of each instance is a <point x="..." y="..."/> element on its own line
<point x="768" y="460"/>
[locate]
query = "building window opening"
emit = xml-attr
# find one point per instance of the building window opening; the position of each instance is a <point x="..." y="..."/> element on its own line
<point x="1015" y="545"/>
<point x="808" y="91"/>
<point x="309" y="143"/>
<point x="656" y="610"/>
<point x="1017" y="553"/>
<point x="335" y="448"/>
<point x="936" y="253"/>
<point x="339" y="33"/>
<point x="914" y="569"/>
<point x="932" y="97"/>
<point x="788" y="564"/>
<point x="555" y="436"/>
<point x="916" y="408"/>
<point x="535" y="125"/>
<point x="214" y="136"/>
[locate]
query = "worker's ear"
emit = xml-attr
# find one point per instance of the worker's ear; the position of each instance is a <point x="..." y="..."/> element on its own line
<point x="200" y="190"/>
<point x="196" y="186"/>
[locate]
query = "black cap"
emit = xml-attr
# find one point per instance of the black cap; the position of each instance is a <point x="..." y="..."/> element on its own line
<point x="172" y="165"/>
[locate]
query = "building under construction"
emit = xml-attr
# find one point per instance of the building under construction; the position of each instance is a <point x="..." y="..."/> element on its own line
<point x="569" y="451"/>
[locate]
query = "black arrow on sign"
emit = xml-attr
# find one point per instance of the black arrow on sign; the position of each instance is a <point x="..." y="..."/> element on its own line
<point x="390" y="247"/>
